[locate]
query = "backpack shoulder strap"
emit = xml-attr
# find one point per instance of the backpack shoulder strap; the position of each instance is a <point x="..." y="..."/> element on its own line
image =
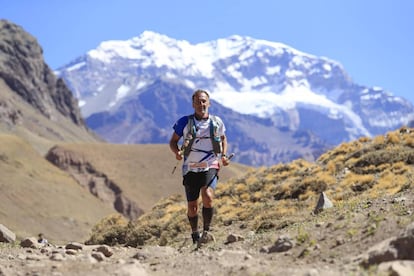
<point x="190" y="136"/>
<point x="214" y="135"/>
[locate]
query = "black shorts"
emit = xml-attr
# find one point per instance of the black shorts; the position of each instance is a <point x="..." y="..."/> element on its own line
<point x="193" y="182"/>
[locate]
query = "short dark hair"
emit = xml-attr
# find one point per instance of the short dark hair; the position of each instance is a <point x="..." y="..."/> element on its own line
<point x="199" y="91"/>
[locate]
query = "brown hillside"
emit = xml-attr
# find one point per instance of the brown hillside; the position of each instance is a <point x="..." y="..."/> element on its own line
<point x="38" y="197"/>
<point x="142" y="172"/>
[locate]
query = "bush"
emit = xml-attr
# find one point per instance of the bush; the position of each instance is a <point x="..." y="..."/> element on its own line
<point x="110" y="230"/>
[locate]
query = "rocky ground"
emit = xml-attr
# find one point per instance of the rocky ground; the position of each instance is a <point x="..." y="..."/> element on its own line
<point x="369" y="237"/>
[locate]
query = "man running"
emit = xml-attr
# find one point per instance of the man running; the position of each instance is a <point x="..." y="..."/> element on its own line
<point x="204" y="144"/>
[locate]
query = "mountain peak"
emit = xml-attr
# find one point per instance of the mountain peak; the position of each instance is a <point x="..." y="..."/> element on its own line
<point x="260" y="78"/>
<point x="152" y="36"/>
<point x="147" y="46"/>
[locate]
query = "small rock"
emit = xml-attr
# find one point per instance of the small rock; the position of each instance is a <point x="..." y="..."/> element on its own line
<point x="6" y="235"/>
<point x="57" y="257"/>
<point x="283" y="243"/>
<point x="339" y="241"/>
<point x="29" y="242"/>
<point x="264" y="249"/>
<point x="99" y="256"/>
<point x="139" y="256"/>
<point x="105" y="250"/>
<point x="71" y="252"/>
<point x="234" y="238"/>
<point x="400" y="268"/>
<point x="74" y="245"/>
<point x="323" y="203"/>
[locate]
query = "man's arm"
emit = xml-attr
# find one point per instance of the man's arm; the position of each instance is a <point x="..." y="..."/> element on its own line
<point x="174" y="146"/>
<point x="224" y="158"/>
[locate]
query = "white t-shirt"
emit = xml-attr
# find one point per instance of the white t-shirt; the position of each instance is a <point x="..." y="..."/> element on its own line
<point x="201" y="156"/>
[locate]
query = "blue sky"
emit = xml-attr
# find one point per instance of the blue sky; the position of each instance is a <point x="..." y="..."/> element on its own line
<point x="372" y="39"/>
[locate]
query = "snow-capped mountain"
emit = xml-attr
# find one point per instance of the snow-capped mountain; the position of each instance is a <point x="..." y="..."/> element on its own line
<point x="263" y="80"/>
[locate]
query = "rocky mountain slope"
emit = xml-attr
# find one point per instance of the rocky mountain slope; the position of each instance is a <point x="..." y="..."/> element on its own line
<point x="23" y="69"/>
<point x="34" y="103"/>
<point x="280" y="88"/>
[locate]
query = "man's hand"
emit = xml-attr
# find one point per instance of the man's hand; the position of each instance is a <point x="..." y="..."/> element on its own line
<point x="225" y="160"/>
<point x="179" y="155"/>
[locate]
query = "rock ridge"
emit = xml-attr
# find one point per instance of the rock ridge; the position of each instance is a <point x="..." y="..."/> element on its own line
<point x="96" y="182"/>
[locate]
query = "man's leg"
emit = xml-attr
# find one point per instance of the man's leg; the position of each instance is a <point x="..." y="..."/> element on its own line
<point x="192" y="213"/>
<point x="207" y="194"/>
<point x="192" y="191"/>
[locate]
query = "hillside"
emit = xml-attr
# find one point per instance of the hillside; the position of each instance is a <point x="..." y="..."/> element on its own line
<point x="265" y="224"/>
<point x="141" y="173"/>
<point x="38" y="197"/>
<point x="95" y="180"/>
<point x="365" y="169"/>
<point x="369" y="182"/>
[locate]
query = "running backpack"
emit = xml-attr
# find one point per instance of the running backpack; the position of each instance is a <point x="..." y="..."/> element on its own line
<point x="191" y="135"/>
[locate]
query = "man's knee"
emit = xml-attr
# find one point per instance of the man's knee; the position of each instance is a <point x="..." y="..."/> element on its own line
<point x="207" y="202"/>
<point x="207" y="195"/>
<point x="192" y="208"/>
